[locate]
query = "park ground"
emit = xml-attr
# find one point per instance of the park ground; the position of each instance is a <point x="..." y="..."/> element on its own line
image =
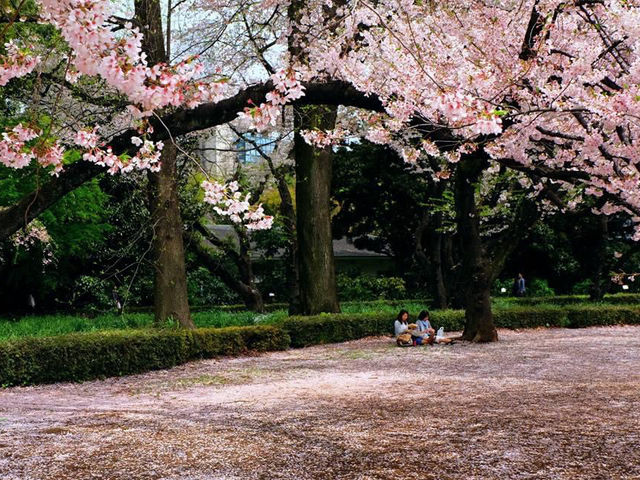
<point x="540" y="404"/>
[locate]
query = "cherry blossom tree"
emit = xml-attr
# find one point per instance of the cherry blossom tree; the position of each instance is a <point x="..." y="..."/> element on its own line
<point x="541" y="86"/>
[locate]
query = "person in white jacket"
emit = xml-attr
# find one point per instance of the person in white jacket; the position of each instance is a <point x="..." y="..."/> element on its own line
<point x="401" y="325"/>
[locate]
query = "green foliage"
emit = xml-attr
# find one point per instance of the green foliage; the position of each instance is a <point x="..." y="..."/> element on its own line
<point x="366" y="287"/>
<point x="207" y="289"/>
<point x="78" y="221"/>
<point x="583" y="287"/>
<point x="92" y="293"/>
<point x="78" y="357"/>
<point x="499" y="285"/>
<point x="539" y="287"/>
<point x="322" y="329"/>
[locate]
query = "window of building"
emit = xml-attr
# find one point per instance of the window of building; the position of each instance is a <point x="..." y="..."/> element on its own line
<point x="248" y="154"/>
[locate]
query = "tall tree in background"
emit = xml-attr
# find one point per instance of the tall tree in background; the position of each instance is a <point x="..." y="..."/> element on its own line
<point x="316" y="265"/>
<point x="170" y="297"/>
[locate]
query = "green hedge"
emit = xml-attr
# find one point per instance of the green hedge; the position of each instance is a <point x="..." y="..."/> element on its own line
<point x="614" y="299"/>
<point x="322" y="329"/>
<point x="335" y="328"/>
<point x="85" y="356"/>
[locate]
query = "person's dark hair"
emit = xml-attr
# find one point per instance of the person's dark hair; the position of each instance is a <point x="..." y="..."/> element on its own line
<point x="402" y="312"/>
<point x="423" y="314"/>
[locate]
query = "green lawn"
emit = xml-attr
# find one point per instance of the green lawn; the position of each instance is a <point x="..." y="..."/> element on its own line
<point x="51" y="325"/>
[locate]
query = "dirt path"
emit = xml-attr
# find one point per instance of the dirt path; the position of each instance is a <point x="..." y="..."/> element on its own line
<point x="567" y="407"/>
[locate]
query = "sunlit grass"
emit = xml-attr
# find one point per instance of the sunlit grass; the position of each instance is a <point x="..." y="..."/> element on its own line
<point x="52" y="325"/>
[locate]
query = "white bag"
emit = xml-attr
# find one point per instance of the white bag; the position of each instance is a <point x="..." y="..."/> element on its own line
<point x="440" y="333"/>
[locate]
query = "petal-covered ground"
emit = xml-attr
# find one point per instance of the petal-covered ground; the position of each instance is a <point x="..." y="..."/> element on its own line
<point x="540" y="404"/>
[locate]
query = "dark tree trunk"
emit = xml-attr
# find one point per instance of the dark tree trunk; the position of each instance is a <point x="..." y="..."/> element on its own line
<point x="599" y="277"/>
<point x="313" y="189"/>
<point x="451" y="271"/>
<point x="288" y="212"/>
<point x="432" y="261"/>
<point x="436" y="255"/>
<point x="476" y="266"/>
<point x="170" y="282"/>
<point x="250" y="295"/>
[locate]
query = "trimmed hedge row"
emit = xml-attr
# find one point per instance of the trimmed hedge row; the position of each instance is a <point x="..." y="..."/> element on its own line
<point x="85" y="356"/>
<point x="320" y="329"/>
<point x="614" y="299"/>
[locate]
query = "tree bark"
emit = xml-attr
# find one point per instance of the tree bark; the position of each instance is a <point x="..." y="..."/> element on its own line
<point x="253" y="297"/>
<point x="599" y="277"/>
<point x="250" y="295"/>
<point x="170" y="282"/>
<point x="476" y="266"/>
<point x="436" y="256"/>
<point x="288" y="213"/>
<point x="171" y="299"/>
<point x="313" y="189"/>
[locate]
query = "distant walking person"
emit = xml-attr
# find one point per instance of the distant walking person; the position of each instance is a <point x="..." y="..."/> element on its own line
<point x="520" y="286"/>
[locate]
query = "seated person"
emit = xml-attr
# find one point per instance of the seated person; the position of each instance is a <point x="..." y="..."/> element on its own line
<point x="423" y="323"/>
<point x="424" y="332"/>
<point x="424" y="327"/>
<point x="401" y="324"/>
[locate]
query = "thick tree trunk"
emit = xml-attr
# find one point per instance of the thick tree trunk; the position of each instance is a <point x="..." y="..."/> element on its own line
<point x="476" y="267"/>
<point x="170" y="282"/>
<point x="313" y="189"/>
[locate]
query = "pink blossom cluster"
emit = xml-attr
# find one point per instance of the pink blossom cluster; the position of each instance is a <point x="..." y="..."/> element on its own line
<point x="146" y="158"/>
<point x="17" y="149"/>
<point x="118" y="58"/>
<point x="14" y="152"/>
<point x="287" y="87"/>
<point x="324" y="139"/>
<point x="228" y="201"/>
<point x="28" y="237"/>
<point x="16" y="63"/>
<point x="35" y="234"/>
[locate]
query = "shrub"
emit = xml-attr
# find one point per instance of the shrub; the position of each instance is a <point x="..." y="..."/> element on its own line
<point x="539" y="287"/>
<point x="367" y="287"/>
<point x="78" y="357"/>
<point x="615" y="299"/>
<point x="322" y="329"/>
